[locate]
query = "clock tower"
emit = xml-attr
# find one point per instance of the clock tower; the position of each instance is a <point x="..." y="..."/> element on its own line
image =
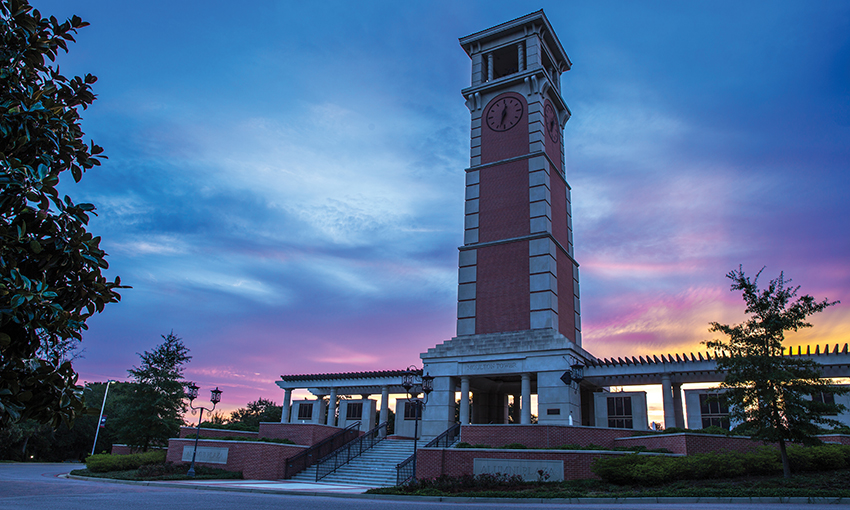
<point x="517" y="269"/>
<point x="518" y="322"/>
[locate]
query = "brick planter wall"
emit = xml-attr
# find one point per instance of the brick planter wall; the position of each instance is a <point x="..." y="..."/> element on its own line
<point x="190" y="432"/>
<point x="689" y="444"/>
<point x="835" y="438"/>
<point x="540" y="436"/>
<point x="256" y="460"/>
<point x="433" y="462"/>
<point x="301" y="433"/>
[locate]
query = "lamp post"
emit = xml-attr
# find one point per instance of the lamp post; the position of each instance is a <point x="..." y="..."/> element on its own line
<point x="192" y="394"/>
<point x="100" y="418"/>
<point x="426" y="386"/>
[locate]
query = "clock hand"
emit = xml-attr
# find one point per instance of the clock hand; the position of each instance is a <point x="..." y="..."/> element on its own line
<point x="504" y="114"/>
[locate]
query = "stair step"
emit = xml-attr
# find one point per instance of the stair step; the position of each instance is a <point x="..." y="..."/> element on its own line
<point x="375" y="467"/>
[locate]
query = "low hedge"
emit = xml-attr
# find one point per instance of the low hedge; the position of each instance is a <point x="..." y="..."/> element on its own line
<point x="591" y="446"/>
<point x="104" y="462"/>
<point x="240" y="438"/>
<point x="655" y="470"/>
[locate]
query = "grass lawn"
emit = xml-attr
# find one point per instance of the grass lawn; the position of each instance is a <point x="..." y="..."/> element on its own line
<point x="826" y="484"/>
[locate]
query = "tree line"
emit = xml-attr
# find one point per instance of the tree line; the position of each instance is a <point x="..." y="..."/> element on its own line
<point x="142" y="413"/>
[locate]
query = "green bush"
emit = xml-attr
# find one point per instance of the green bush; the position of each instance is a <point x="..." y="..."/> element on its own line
<point x="654" y="470"/>
<point x="515" y="446"/>
<point x="818" y="458"/>
<point x="103" y="463"/>
<point x="229" y="426"/>
<point x="248" y="438"/>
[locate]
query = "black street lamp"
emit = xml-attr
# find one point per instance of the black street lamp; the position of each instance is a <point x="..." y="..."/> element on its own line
<point x="426" y="386"/>
<point x="192" y="394"/>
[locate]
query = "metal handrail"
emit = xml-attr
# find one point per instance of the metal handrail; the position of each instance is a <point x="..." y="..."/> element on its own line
<point x="404" y="470"/>
<point x="445" y="439"/>
<point x="297" y="463"/>
<point x="350" y="451"/>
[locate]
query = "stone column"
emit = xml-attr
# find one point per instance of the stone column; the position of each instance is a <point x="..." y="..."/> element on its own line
<point x="463" y="413"/>
<point x="677" y="406"/>
<point x="489" y="67"/>
<point x="385" y="404"/>
<point x="287" y="404"/>
<point x="667" y="399"/>
<point x="525" y="407"/>
<point x="521" y="56"/>
<point x="332" y="408"/>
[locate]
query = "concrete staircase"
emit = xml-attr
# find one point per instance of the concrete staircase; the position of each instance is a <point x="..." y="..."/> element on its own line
<point x="375" y="468"/>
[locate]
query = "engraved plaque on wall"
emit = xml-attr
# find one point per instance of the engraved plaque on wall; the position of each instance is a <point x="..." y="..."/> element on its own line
<point x="206" y="454"/>
<point x="531" y="470"/>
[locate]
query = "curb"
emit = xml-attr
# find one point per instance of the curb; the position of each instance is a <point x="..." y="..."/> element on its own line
<point x="462" y="499"/>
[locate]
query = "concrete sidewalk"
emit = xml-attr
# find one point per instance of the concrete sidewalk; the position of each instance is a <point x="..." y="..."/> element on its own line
<point x="264" y="486"/>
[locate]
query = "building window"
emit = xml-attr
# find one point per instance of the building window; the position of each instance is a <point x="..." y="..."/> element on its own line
<point x="553" y="412"/>
<point x="305" y="411"/>
<point x="354" y="411"/>
<point x="620" y="412"/>
<point x="412" y="410"/>
<point x="714" y="411"/>
<point x="825" y="398"/>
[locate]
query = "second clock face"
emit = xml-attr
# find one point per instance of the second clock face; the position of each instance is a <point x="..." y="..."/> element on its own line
<point x="504" y="114"/>
<point x="551" y="120"/>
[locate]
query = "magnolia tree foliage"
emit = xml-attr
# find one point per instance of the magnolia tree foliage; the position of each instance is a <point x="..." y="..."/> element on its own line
<point x="50" y="265"/>
<point x="768" y="392"/>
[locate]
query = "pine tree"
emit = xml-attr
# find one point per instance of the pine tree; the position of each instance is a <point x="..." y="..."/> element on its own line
<point x="151" y="411"/>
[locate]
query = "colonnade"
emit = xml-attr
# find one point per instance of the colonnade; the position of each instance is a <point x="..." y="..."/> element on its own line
<point x="333" y="394"/>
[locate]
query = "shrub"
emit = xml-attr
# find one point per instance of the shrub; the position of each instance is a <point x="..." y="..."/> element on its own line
<point x="229" y="426"/>
<point x="445" y="483"/>
<point x="647" y="470"/>
<point x="818" y="458"/>
<point x="172" y="470"/>
<point x="248" y="438"/>
<point x="515" y="446"/>
<point x="103" y="463"/>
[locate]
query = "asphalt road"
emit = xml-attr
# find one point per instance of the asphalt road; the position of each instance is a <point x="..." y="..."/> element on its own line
<point x="39" y="487"/>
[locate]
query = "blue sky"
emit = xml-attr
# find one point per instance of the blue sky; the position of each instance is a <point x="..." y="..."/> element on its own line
<point x="284" y="187"/>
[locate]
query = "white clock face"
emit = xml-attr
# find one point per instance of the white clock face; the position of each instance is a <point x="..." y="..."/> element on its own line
<point x="504" y="114"/>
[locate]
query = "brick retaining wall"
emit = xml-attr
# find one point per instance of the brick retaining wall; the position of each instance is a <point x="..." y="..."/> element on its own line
<point x="835" y="438"/>
<point x="689" y="444"/>
<point x="190" y="432"/>
<point x="540" y="436"/>
<point x="300" y="433"/>
<point x="256" y="460"/>
<point x="433" y="462"/>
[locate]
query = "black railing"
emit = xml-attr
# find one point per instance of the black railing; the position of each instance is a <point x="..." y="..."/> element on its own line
<point x="350" y="451"/>
<point x="445" y="439"/>
<point x="323" y="448"/>
<point x="405" y="470"/>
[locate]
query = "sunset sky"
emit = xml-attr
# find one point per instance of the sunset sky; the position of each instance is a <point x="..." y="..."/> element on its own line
<point x="284" y="187"/>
